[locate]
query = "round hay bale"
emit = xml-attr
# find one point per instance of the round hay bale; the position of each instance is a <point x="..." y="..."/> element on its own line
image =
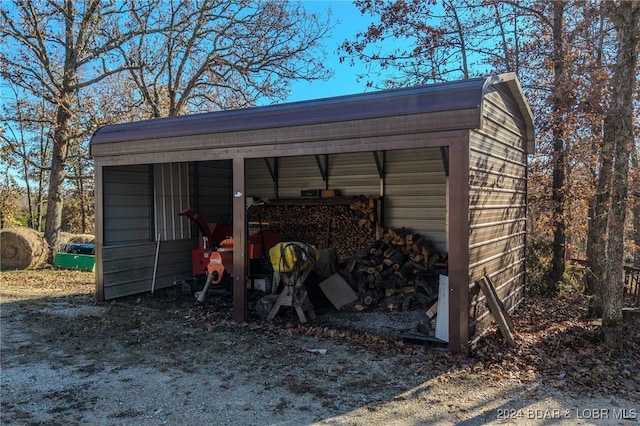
<point x="68" y="238"/>
<point x="22" y="248"/>
<point x="64" y="237"/>
<point x="82" y="239"/>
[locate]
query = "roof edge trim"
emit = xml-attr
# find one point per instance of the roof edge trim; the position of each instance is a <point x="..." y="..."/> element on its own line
<point x="510" y="79"/>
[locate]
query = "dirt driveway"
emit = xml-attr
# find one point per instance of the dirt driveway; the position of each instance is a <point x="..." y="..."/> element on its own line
<point x="160" y="360"/>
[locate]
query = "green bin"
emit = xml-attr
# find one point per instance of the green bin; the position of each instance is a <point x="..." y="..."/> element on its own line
<point x="82" y="262"/>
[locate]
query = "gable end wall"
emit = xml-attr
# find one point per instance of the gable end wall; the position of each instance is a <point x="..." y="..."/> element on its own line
<point x="497" y="207"/>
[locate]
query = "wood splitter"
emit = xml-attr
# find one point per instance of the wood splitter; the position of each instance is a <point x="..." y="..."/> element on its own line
<point x="207" y="259"/>
<point x="214" y="257"/>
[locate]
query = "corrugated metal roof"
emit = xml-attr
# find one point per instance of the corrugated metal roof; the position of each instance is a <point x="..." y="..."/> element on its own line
<point x="447" y="96"/>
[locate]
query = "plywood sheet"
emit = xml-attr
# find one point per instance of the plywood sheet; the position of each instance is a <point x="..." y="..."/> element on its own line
<point x="338" y="291"/>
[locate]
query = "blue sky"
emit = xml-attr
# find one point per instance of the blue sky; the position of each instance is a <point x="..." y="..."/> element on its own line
<point x="349" y="22"/>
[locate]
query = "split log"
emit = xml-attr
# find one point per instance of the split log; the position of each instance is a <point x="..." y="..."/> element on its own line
<point x="424" y="286"/>
<point x="386" y="273"/>
<point x="391" y="292"/>
<point x="368" y="298"/>
<point x="386" y="284"/>
<point x="395" y="266"/>
<point x="390" y="251"/>
<point x="433" y="310"/>
<point x="398" y="258"/>
<point x="349" y="264"/>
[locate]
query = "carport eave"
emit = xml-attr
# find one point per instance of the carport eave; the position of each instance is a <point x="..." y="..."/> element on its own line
<point x="442" y="97"/>
<point x="369" y="144"/>
<point x="393" y="132"/>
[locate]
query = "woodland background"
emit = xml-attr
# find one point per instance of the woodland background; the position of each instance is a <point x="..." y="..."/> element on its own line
<point x="68" y="67"/>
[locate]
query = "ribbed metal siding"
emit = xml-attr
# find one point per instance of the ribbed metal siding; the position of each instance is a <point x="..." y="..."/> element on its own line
<point x="259" y="182"/>
<point x="415" y="193"/>
<point x="497" y="205"/>
<point x="298" y="173"/>
<point x="128" y="269"/>
<point x="415" y="185"/>
<point x="170" y="197"/>
<point x="129" y="252"/>
<point x="352" y="173"/>
<point x="213" y="190"/>
<point x="127" y="204"/>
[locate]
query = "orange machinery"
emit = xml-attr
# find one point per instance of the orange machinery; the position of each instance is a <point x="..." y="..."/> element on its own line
<point x="216" y="245"/>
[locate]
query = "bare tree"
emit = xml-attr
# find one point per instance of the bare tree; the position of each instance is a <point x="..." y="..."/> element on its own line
<point x="54" y="49"/>
<point x="618" y="133"/>
<point x="548" y="69"/>
<point x="559" y="131"/>
<point x="220" y="54"/>
<point x="26" y="147"/>
<point x="599" y="205"/>
<point x="411" y="43"/>
<point x="10" y="192"/>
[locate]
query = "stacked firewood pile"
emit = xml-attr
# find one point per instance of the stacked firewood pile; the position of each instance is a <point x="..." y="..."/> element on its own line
<point x="346" y="226"/>
<point x="399" y="271"/>
<point x="365" y="210"/>
<point x="387" y="267"/>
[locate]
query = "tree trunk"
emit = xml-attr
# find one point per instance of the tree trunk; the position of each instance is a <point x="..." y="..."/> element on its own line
<point x="598" y="208"/>
<point x="597" y="236"/>
<point x="618" y="131"/>
<point x="61" y="135"/>
<point x="559" y="161"/>
<point x="83" y="206"/>
<point x="56" y="180"/>
<point x="635" y="206"/>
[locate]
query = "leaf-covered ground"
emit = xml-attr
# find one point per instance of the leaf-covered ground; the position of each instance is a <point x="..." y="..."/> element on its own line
<point x="68" y="360"/>
<point x="556" y="339"/>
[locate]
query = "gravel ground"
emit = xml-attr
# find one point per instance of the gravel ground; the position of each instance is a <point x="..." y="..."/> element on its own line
<point x="160" y="360"/>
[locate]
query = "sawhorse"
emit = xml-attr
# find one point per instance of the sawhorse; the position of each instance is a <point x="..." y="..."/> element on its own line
<point x="294" y="293"/>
